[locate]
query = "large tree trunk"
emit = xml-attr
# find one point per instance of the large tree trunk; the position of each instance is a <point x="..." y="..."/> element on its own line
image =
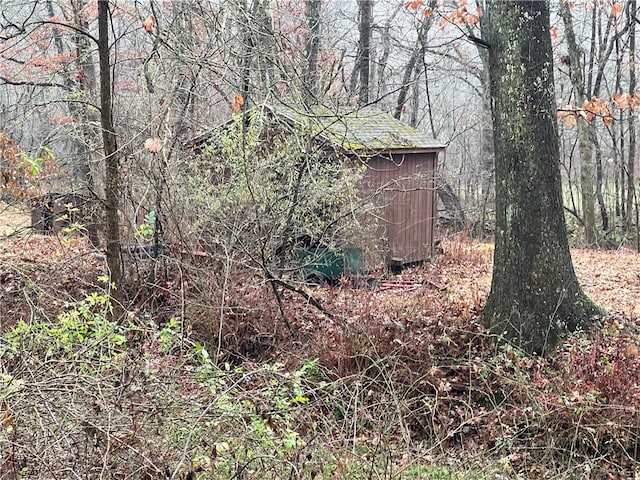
<point x="112" y="185"/>
<point x="535" y="297"/>
<point x="584" y="142"/>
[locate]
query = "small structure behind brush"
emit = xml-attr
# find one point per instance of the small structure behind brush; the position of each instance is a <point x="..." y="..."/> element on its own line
<point x="54" y="213"/>
<point x="401" y="164"/>
<point x="400" y="171"/>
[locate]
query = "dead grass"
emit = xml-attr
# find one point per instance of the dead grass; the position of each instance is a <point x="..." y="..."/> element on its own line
<point x="13" y="218"/>
<point x="611" y="278"/>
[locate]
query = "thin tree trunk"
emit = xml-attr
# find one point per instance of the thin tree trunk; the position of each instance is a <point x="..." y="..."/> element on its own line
<point x="618" y="153"/>
<point x="112" y="184"/>
<point x="312" y="14"/>
<point x="631" y="9"/>
<point x="365" y="24"/>
<point x="383" y="60"/>
<point x="81" y="80"/>
<point x="604" y="215"/>
<point x="585" y="145"/>
<point x="403" y="93"/>
<point x="415" y="99"/>
<point x="410" y="68"/>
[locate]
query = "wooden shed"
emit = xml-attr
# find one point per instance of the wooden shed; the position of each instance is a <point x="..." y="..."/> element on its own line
<point x="401" y="163"/>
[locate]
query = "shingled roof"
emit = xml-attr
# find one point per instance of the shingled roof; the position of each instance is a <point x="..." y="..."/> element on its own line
<point x="362" y="130"/>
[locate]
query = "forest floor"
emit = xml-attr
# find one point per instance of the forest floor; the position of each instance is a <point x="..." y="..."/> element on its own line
<point x="210" y="377"/>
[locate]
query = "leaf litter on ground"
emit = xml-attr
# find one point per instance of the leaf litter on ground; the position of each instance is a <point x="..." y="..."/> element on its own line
<point x="414" y="343"/>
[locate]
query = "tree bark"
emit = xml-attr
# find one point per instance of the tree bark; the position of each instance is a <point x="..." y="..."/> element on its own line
<point x="535" y="297"/>
<point x="110" y="146"/>
<point x="80" y="81"/>
<point x="311" y="84"/>
<point x="631" y="159"/>
<point x="410" y="68"/>
<point x="364" y="26"/>
<point x="451" y="203"/>
<point x="486" y="129"/>
<point x="584" y="142"/>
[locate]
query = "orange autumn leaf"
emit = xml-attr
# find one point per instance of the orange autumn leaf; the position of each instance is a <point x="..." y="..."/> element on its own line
<point x="237" y="103"/>
<point x="6" y="418"/>
<point x="457" y="15"/>
<point x="626" y="100"/>
<point x="632" y="351"/>
<point x="414" y="4"/>
<point x="568" y="114"/>
<point x="154" y="145"/>
<point x="621" y="100"/>
<point x="427" y="11"/>
<point x="554" y="31"/>
<point x="608" y="121"/>
<point x="616" y="9"/>
<point x="147" y="24"/>
<point x="471" y="19"/>
<point x="598" y="106"/>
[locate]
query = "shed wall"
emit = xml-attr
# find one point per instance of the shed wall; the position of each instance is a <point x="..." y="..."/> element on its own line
<point x="407" y="199"/>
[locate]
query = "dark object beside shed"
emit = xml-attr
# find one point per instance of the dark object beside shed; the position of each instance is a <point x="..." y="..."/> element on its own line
<point x="53" y="212"/>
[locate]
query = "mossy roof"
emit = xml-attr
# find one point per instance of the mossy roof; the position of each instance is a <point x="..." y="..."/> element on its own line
<point x="361" y="130"/>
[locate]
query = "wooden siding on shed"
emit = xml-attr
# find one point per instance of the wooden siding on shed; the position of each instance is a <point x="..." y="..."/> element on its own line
<point x="407" y="200"/>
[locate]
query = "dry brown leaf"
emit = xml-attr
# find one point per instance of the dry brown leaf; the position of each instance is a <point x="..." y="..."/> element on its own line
<point x="148" y="23"/>
<point x="154" y="144"/>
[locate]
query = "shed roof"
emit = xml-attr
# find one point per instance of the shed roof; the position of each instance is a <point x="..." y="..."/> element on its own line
<point x="361" y="130"/>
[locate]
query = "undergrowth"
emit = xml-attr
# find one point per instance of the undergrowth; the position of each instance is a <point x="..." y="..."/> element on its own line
<point x="397" y="380"/>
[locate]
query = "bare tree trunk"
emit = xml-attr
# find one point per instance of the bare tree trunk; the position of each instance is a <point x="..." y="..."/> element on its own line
<point x="112" y="186"/>
<point x="595" y="22"/>
<point x="415" y="99"/>
<point x="604" y="215"/>
<point x="410" y="67"/>
<point x="486" y="129"/>
<point x="585" y="145"/>
<point x="403" y="93"/>
<point x="619" y="152"/>
<point x="312" y="13"/>
<point x="628" y="221"/>
<point x="364" y="26"/>
<point x="81" y="81"/>
<point x="383" y="60"/>
<point x="451" y="203"/>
